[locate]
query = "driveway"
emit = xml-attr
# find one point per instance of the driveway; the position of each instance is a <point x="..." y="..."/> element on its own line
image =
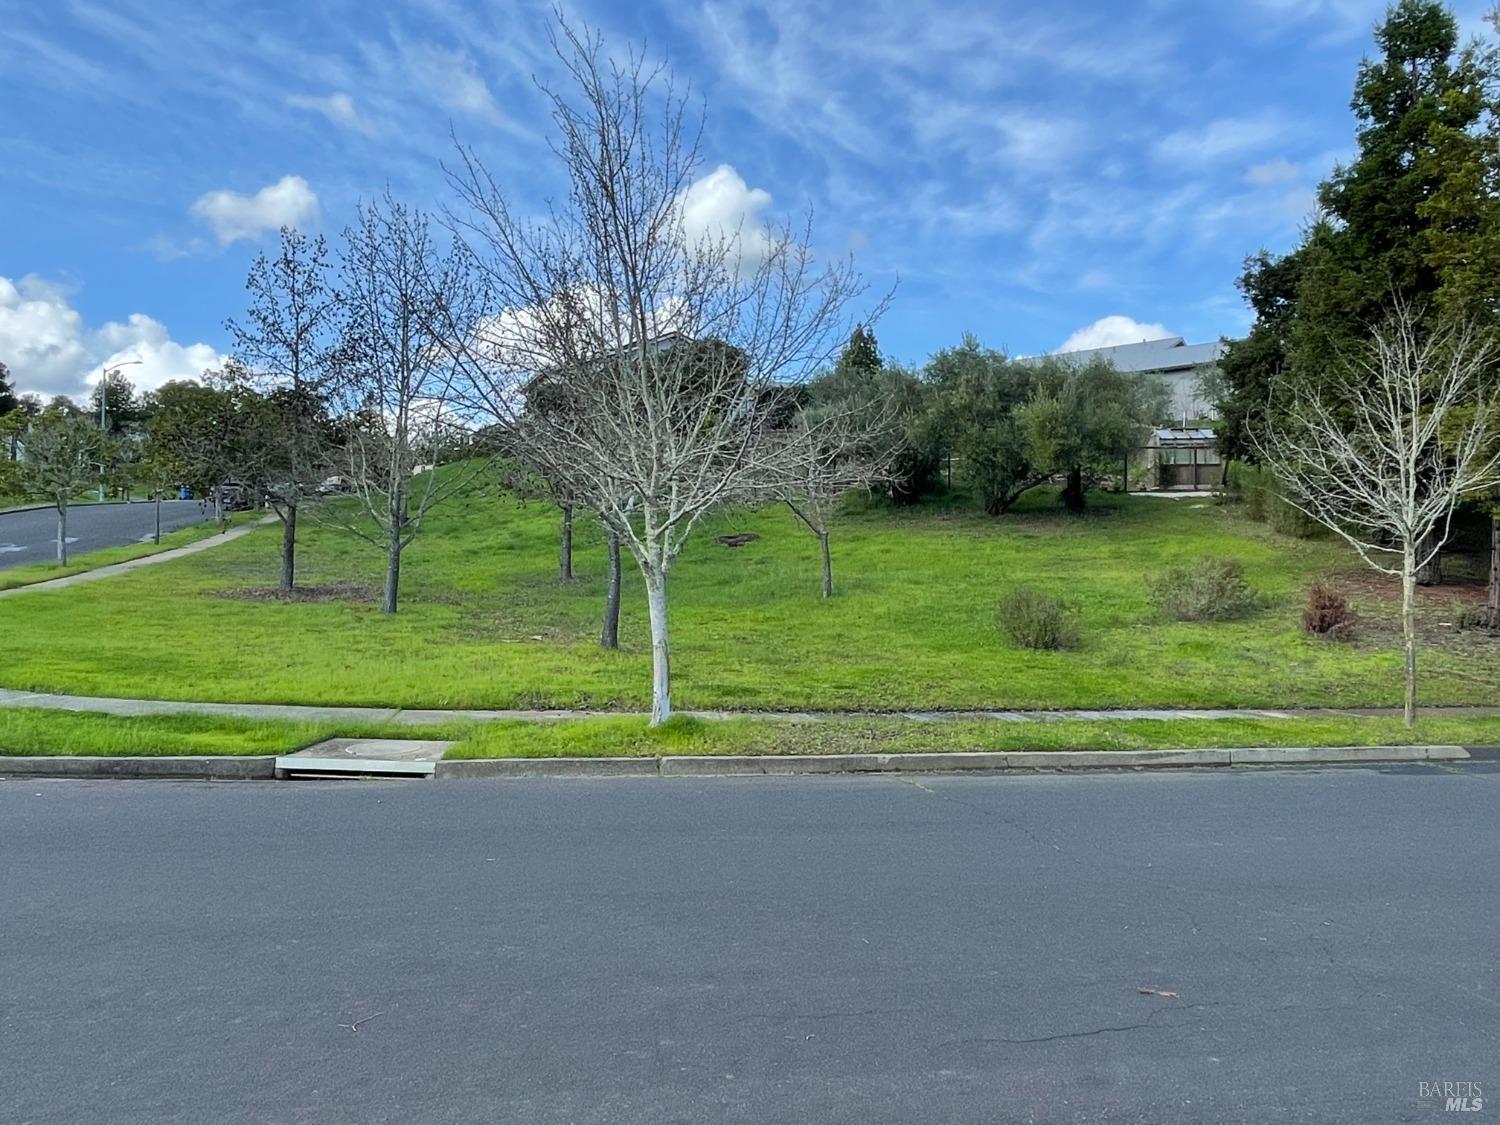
<point x="31" y="537"/>
<point x="1298" y="945"/>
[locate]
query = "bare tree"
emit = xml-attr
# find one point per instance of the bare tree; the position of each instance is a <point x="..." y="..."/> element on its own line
<point x="285" y="346"/>
<point x="665" y="341"/>
<point x="63" y="454"/>
<point x="1384" y="451"/>
<point x="395" y="375"/>
<point x="825" y="459"/>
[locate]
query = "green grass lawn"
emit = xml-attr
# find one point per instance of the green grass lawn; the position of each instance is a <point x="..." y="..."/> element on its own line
<point x="30" y="731"/>
<point x="93" y="560"/>
<point x="36" y="732"/>
<point x="631" y="737"/>
<point x="485" y="621"/>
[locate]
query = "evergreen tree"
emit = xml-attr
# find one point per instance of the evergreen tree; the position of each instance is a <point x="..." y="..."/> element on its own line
<point x="1398" y="222"/>
<point x="1375" y="239"/>
<point x="8" y="399"/>
<point x="862" y="382"/>
<point x="1251" y="366"/>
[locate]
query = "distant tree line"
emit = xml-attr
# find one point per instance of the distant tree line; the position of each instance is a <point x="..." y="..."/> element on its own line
<point x="976" y="420"/>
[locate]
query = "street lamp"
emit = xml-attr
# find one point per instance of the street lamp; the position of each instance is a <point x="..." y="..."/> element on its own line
<point x="104" y="378"/>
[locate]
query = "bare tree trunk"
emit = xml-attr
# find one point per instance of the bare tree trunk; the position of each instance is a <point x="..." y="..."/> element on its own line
<point x="567" y="543"/>
<point x="393" y="552"/>
<point x="1431" y="572"/>
<point x="661" y="664"/>
<point x="1409" y="632"/>
<point x="288" y="548"/>
<point x="62" y="532"/>
<point x="392" y="576"/>
<point x="157" y="537"/>
<point x="609" y="637"/>
<point x="1494" y="597"/>
<point x="827" y="565"/>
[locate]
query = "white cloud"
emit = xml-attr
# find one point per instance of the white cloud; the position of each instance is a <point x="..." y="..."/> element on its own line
<point x="50" y="351"/>
<point x="452" y="78"/>
<point x="338" y="108"/>
<point x="1225" y="137"/>
<point x="722" y="205"/>
<point x="1037" y="142"/>
<point x="1278" y="171"/>
<point x="1111" y="331"/>
<point x="289" y="202"/>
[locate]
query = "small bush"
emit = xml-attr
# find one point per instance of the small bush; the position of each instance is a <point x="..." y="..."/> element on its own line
<point x="1031" y="619"/>
<point x="1476" y="618"/>
<point x="1288" y="520"/>
<point x="1211" y="589"/>
<point x="1260" y="496"/>
<point x="1327" y="614"/>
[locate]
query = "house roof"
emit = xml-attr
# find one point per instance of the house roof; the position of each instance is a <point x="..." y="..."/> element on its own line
<point x="1176" y="435"/>
<point x="1170" y="354"/>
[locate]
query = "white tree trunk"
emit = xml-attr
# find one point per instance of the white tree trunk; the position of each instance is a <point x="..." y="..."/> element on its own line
<point x="1409" y="632"/>
<point x="661" y="662"/>
<point x="62" y="533"/>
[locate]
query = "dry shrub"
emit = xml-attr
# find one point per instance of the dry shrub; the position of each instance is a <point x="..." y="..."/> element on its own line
<point x="1327" y="614"/>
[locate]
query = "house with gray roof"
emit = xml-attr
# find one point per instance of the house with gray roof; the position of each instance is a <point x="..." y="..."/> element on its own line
<point x="1175" y="362"/>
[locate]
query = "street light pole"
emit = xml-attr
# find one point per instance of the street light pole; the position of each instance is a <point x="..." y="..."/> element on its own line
<point x="103" y="411"/>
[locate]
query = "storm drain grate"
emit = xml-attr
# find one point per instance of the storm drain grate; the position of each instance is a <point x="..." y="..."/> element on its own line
<point x="364" y="757"/>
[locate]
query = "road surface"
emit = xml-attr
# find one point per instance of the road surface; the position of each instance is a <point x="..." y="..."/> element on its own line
<point x="31" y="537"/>
<point x="874" y="949"/>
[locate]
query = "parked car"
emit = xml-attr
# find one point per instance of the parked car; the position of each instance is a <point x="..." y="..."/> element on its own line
<point x="236" y="496"/>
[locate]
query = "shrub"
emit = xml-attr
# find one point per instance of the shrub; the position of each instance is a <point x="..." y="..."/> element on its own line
<point x="1289" y="520"/>
<point x="1476" y="618"/>
<point x="1327" y="614"/>
<point x="1211" y="589"/>
<point x="1259" y="494"/>
<point x="1031" y="619"/>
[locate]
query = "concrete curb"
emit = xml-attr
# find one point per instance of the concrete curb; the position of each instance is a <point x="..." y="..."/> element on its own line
<point x="548" y="767"/>
<point x="939" y="762"/>
<point x="263" y="768"/>
<point x="208" y="767"/>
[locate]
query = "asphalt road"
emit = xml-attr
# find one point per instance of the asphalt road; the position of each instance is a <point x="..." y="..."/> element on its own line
<point x="752" y="950"/>
<point x="31" y="537"/>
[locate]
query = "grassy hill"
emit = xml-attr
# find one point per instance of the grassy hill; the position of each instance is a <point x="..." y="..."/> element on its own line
<point x="485" y="621"/>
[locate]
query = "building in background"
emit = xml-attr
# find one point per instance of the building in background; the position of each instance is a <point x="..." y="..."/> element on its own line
<point x="1182" y="460"/>
<point x="1186" y="369"/>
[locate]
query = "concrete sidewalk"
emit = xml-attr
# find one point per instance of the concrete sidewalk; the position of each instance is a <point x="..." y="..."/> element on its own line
<point x="115" y="569"/>
<point x="417" y="717"/>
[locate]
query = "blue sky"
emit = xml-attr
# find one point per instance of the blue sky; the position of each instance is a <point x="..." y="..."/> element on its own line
<point x="1025" y="170"/>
